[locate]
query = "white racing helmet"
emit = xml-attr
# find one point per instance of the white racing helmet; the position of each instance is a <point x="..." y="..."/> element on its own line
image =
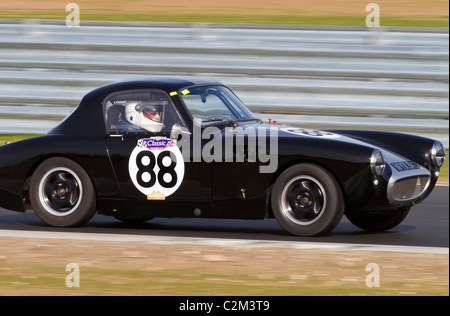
<point x="147" y="115"/>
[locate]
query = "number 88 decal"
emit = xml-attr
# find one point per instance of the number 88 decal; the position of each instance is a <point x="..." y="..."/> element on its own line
<point x="156" y="167"/>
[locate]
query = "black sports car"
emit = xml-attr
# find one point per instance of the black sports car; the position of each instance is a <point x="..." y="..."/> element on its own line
<point x="188" y="147"/>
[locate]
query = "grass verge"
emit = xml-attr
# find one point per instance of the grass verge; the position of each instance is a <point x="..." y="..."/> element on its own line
<point x="47" y="280"/>
<point x="38" y="267"/>
<point x="16" y="137"/>
<point x="392" y="21"/>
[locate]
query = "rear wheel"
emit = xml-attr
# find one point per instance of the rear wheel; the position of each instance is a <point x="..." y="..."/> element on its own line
<point x="379" y="221"/>
<point x="62" y="194"/>
<point x="307" y="201"/>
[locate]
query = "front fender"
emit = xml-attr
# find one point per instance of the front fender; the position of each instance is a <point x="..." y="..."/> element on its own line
<point x="413" y="147"/>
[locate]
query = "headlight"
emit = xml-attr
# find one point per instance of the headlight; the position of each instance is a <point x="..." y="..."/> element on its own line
<point x="377" y="163"/>
<point x="437" y="154"/>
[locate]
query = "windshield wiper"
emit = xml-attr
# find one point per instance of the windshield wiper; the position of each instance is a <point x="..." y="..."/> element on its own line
<point x="218" y="119"/>
<point x="214" y="119"/>
<point x="251" y="119"/>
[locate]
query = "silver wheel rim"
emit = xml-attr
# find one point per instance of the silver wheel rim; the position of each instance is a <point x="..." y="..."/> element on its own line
<point x="303" y="200"/>
<point x="60" y="191"/>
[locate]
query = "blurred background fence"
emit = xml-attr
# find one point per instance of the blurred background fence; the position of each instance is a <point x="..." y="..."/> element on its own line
<point x="314" y="77"/>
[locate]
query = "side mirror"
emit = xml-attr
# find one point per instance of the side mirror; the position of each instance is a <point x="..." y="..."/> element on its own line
<point x="178" y="131"/>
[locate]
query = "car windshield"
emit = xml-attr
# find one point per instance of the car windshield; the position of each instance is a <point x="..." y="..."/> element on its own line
<point x="214" y="104"/>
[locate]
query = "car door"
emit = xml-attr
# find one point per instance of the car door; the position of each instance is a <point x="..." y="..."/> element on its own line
<point x="237" y="175"/>
<point x="144" y="151"/>
<point x="227" y="141"/>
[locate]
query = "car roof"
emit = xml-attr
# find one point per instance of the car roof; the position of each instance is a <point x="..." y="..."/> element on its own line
<point x="167" y="84"/>
<point x="87" y="119"/>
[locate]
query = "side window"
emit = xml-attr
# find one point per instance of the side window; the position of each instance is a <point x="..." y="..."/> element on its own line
<point x="140" y="111"/>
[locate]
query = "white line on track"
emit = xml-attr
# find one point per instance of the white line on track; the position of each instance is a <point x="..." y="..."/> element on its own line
<point x="219" y="242"/>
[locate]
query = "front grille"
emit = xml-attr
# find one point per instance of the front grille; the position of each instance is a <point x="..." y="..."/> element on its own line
<point x="410" y="188"/>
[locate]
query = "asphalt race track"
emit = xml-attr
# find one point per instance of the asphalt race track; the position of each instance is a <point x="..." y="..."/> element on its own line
<point x="426" y="226"/>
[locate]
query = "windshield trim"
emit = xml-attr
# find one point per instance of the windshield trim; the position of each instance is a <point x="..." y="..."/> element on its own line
<point x="215" y="123"/>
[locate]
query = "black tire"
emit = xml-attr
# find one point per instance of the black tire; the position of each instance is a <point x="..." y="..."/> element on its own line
<point x="379" y="221"/>
<point x="62" y="194"/>
<point x="307" y="200"/>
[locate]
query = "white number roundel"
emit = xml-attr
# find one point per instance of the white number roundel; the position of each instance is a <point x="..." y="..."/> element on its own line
<point x="156" y="167"/>
<point x="309" y="132"/>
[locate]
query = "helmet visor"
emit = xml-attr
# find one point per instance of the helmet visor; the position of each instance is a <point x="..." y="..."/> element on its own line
<point x="151" y="110"/>
<point x="153" y="115"/>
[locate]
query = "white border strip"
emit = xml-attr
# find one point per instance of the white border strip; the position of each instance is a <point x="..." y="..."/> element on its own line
<point x="219" y="242"/>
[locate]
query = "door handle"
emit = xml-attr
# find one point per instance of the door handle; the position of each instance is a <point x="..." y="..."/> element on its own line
<point x="116" y="136"/>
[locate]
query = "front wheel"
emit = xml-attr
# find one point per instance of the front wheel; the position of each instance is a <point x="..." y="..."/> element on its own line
<point x="379" y="221"/>
<point x="62" y="193"/>
<point x="307" y="201"/>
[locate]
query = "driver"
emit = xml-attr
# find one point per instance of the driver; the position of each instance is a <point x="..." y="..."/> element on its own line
<point x="146" y="115"/>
